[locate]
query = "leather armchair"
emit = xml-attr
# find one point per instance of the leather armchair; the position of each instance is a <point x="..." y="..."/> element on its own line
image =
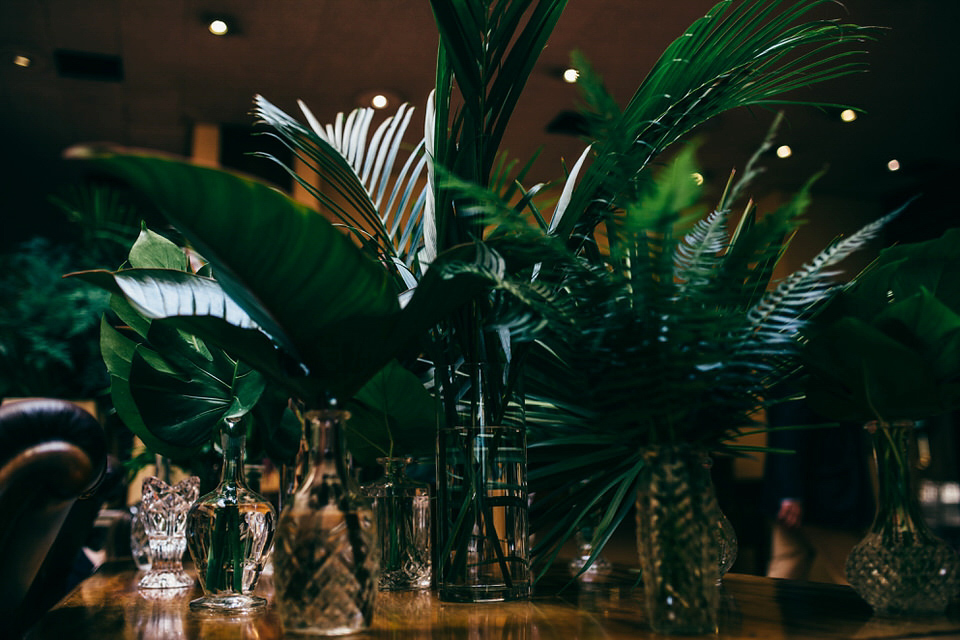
<point x="51" y="453"/>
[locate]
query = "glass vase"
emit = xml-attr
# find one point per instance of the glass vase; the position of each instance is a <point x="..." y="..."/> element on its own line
<point x="901" y="567"/>
<point x="139" y="543"/>
<point x="326" y="559"/>
<point x="583" y="540"/>
<point x="229" y="532"/>
<point x="482" y="521"/>
<point x="676" y="514"/>
<point x="163" y="515"/>
<point x="401" y="506"/>
<point x="724" y="535"/>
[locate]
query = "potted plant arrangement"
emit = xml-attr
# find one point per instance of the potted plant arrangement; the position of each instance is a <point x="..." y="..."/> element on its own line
<point x="884" y="353"/>
<point x="453" y="281"/>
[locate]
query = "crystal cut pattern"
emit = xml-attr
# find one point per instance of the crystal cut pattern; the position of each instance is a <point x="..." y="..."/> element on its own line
<point x="401" y="507"/>
<point x="901" y="567"/>
<point x="326" y="559"/>
<point x="163" y="513"/>
<point x="677" y="512"/>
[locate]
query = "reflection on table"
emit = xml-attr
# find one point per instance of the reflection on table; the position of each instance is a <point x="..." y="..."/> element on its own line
<point x="109" y="605"/>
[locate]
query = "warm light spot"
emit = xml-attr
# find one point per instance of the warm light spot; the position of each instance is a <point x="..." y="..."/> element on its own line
<point x="571" y="75"/>
<point x="379" y="101"/>
<point x="784" y="151"/>
<point x="22" y="61"/>
<point x="697" y="178"/>
<point x="219" y="28"/>
<point x="848" y="115"/>
<point x="893" y="165"/>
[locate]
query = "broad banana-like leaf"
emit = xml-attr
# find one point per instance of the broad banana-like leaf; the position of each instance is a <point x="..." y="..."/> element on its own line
<point x="290" y="271"/>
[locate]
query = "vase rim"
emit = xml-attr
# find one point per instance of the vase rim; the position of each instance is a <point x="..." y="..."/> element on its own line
<point x="485" y="428"/>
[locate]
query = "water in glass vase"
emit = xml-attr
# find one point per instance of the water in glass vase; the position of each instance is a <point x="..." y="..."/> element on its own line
<point x="231" y="540"/>
<point x="326" y="559"/>
<point x="229" y="532"/>
<point x="401" y="506"/>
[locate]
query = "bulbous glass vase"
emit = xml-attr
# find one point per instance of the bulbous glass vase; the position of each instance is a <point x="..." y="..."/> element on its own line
<point x="229" y="532"/>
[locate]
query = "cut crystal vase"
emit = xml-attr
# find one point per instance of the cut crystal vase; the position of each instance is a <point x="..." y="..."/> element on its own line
<point x="163" y="515"/>
<point x="229" y="532"/>
<point x="401" y="506"/>
<point x="326" y="557"/>
<point x="677" y="512"/>
<point x="901" y="568"/>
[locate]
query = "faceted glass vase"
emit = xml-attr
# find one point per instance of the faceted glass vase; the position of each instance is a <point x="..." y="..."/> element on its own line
<point x="901" y="568"/>
<point x="583" y="539"/>
<point x="401" y="507"/>
<point x="482" y="520"/>
<point x="229" y="532"/>
<point x="723" y="534"/>
<point x="326" y="558"/>
<point x="163" y="515"/>
<point x="677" y="513"/>
<point x="139" y="544"/>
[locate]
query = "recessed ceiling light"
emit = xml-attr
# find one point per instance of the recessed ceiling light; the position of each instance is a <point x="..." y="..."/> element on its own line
<point x="848" y="115"/>
<point x="571" y="75"/>
<point x="784" y="151"/>
<point x="379" y="99"/>
<point x="218" y="27"/>
<point x="893" y="165"/>
<point x="22" y="61"/>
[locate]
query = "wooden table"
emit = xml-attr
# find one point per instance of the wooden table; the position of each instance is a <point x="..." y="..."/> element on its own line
<point x="108" y="605"/>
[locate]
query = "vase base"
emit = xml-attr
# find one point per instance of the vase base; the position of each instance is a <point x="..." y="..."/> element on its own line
<point x="165" y="580"/>
<point x="486" y="593"/>
<point x="234" y="603"/>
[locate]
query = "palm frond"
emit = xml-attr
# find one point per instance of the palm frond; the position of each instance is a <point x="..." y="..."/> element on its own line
<point x="359" y="167"/>
<point x="739" y="54"/>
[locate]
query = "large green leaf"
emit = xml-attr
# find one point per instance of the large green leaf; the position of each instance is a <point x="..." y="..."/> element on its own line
<point x="293" y="273"/>
<point x="393" y="414"/>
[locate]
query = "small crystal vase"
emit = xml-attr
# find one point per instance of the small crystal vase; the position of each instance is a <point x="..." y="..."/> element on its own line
<point x="677" y="512"/>
<point x="229" y="532"/>
<point x="326" y="560"/>
<point x="723" y="534"/>
<point x="163" y="514"/>
<point x="401" y="507"/>
<point x="901" y="568"/>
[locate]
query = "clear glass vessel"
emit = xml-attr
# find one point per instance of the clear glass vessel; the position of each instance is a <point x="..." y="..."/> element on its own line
<point x="229" y="532"/>
<point x="483" y="530"/>
<point x="326" y="559"/>
<point x="677" y="512"/>
<point x="139" y="544"/>
<point x="401" y="506"/>
<point x="901" y="568"/>
<point x="163" y="514"/>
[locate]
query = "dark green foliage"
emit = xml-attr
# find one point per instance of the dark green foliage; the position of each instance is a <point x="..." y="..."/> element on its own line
<point x="48" y="325"/>
<point x="888" y="346"/>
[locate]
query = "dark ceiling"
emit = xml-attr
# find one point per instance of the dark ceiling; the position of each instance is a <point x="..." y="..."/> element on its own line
<point x="173" y="73"/>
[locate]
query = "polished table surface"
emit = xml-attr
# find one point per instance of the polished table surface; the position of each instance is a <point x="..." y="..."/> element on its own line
<point x="109" y="605"/>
